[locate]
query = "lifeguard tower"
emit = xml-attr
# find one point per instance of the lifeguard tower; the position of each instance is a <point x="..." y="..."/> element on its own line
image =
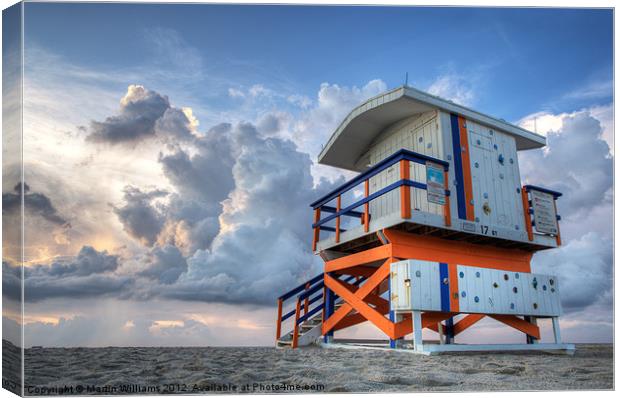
<point x="436" y="231"/>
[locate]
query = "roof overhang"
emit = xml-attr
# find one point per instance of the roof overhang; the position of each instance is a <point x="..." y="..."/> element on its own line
<point x="359" y="129"/>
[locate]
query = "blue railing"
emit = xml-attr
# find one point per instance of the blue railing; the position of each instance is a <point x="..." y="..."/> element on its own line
<point x="304" y="309"/>
<point x="402" y="156"/>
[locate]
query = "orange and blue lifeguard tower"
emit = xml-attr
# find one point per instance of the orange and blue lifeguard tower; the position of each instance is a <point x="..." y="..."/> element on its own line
<point x="436" y="231"/>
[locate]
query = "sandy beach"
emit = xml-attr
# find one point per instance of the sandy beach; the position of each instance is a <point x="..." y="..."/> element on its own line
<point x="186" y="370"/>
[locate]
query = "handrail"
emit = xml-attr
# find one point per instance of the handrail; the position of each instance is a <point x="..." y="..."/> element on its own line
<point x="301" y="287"/>
<point x="402" y="156"/>
<point x="307" y="289"/>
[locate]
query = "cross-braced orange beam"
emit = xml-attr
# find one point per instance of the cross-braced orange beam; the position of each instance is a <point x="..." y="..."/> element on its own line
<point x="361" y="258"/>
<point x="354" y="319"/>
<point x="355" y="300"/>
<point x="371" y="283"/>
<point x="519" y="324"/>
<point x="466" y="322"/>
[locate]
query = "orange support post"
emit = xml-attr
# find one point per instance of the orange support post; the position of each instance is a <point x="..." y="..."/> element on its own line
<point x="324" y="301"/>
<point x="446" y="207"/>
<point x="338" y="220"/>
<point x="279" y="323"/>
<point x="466" y="322"/>
<point x="519" y="324"/>
<point x="315" y="238"/>
<point x="526" y="214"/>
<point x="366" y="206"/>
<point x="296" y="328"/>
<point x="405" y="191"/>
<point x="356" y="259"/>
<point x="558" y="239"/>
<point x="306" y="300"/>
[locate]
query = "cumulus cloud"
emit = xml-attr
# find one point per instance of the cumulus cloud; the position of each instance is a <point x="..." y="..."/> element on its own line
<point x="202" y="180"/>
<point x="576" y="161"/>
<point x="263" y="243"/>
<point x="143" y="114"/>
<point x="584" y="267"/>
<point x="88" y="274"/>
<point x="315" y="125"/>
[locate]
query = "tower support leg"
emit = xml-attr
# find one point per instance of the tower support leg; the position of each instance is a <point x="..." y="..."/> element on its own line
<point x="330" y="301"/>
<point x="532" y="320"/>
<point x="416" y="318"/>
<point x="449" y="331"/>
<point x="556" y="330"/>
<point x="442" y="333"/>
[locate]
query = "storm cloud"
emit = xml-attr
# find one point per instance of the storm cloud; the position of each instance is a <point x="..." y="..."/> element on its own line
<point x="141" y="219"/>
<point x="36" y="204"/>
<point x="88" y="274"/>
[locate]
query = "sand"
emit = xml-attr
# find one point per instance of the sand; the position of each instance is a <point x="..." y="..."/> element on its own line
<point x="198" y="370"/>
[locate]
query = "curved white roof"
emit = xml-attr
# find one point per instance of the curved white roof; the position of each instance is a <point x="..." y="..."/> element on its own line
<point x="358" y="130"/>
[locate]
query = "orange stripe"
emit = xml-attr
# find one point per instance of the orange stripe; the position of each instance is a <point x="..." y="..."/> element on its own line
<point x="454" y="287"/>
<point x="405" y="191"/>
<point x="526" y="214"/>
<point x="466" y="164"/>
<point x="446" y="207"/>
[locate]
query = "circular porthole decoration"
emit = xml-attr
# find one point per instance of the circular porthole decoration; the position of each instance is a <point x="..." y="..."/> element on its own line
<point x="418" y="274"/>
<point x="535" y="305"/>
<point x="544" y="287"/>
<point x="505" y="277"/>
<point x="514" y="289"/>
<point x="477" y="274"/>
<point x="461" y="274"/>
<point x="463" y="294"/>
<point x="476" y="299"/>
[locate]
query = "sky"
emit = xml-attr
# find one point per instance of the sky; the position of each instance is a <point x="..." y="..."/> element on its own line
<point x="170" y="154"/>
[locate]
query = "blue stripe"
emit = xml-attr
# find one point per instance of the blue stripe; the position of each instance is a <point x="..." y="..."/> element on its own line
<point x="458" y="166"/>
<point x="445" y="289"/>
